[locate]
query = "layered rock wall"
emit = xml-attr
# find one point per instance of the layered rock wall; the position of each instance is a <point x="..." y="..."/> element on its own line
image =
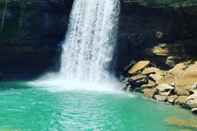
<point x="30" y="38"/>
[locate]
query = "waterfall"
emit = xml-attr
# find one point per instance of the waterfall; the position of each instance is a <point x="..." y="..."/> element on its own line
<point x="89" y="42"/>
<point x="88" y="48"/>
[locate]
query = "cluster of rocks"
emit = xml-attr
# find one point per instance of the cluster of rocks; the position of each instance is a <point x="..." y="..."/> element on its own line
<point x="177" y="86"/>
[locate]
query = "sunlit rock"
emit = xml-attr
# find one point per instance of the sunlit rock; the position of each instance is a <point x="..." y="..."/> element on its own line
<point x="139" y="66"/>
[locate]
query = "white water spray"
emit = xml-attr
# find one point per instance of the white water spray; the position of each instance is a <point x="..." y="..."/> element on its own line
<point x="89" y="44"/>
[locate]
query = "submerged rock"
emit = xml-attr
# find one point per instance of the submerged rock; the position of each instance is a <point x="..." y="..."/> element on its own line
<point x="182" y="122"/>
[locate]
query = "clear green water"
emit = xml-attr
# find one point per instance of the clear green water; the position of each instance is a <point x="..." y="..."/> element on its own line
<point x="33" y="109"/>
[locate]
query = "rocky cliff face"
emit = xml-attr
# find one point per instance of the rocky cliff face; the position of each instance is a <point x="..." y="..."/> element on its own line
<point x="162" y="31"/>
<point x="30" y="40"/>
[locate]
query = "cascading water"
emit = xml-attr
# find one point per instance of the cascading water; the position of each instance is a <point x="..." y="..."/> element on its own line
<point x="89" y="43"/>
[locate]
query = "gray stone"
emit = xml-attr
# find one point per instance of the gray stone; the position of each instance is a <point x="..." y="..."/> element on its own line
<point x="165" y="87"/>
<point x="161" y="98"/>
<point x="194" y="110"/>
<point x="171" y="99"/>
<point x="192" y="101"/>
<point x="168" y="93"/>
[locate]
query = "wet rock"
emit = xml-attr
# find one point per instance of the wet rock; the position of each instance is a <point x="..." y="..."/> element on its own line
<point x="125" y="80"/>
<point x="138" y="67"/>
<point x="194" y="110"/>
<point x="150" y="92"/>
<point x="126" y="84"/>
<point x="181" y="100"/>
<point x="171" y="61"/>
<point x="138" y="80"/>
<point x="171" y="99"/>
<point x="190" y="123"/>
<point x="161" y="98"/>
<point x="167" y="93"/>
<point x="191" y="101"/>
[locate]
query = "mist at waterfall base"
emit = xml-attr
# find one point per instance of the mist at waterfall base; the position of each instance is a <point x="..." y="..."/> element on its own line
<point x="88" y="48"/>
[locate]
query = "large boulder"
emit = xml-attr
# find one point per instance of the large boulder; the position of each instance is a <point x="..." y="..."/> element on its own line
<point x="178" y="69"/>
<point x="181" y="100"/>
<point x="161" y="98"/>
<point x="186" y="78"/>
<point x="165" y="87"/>
<point x="150" y="93"/>
<point x="172" y="99"/>
<point x="139" y="66"/>
<point x="192" y="101"/>
<point x="182" y="92"/>
<point x="194" y="110"/>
